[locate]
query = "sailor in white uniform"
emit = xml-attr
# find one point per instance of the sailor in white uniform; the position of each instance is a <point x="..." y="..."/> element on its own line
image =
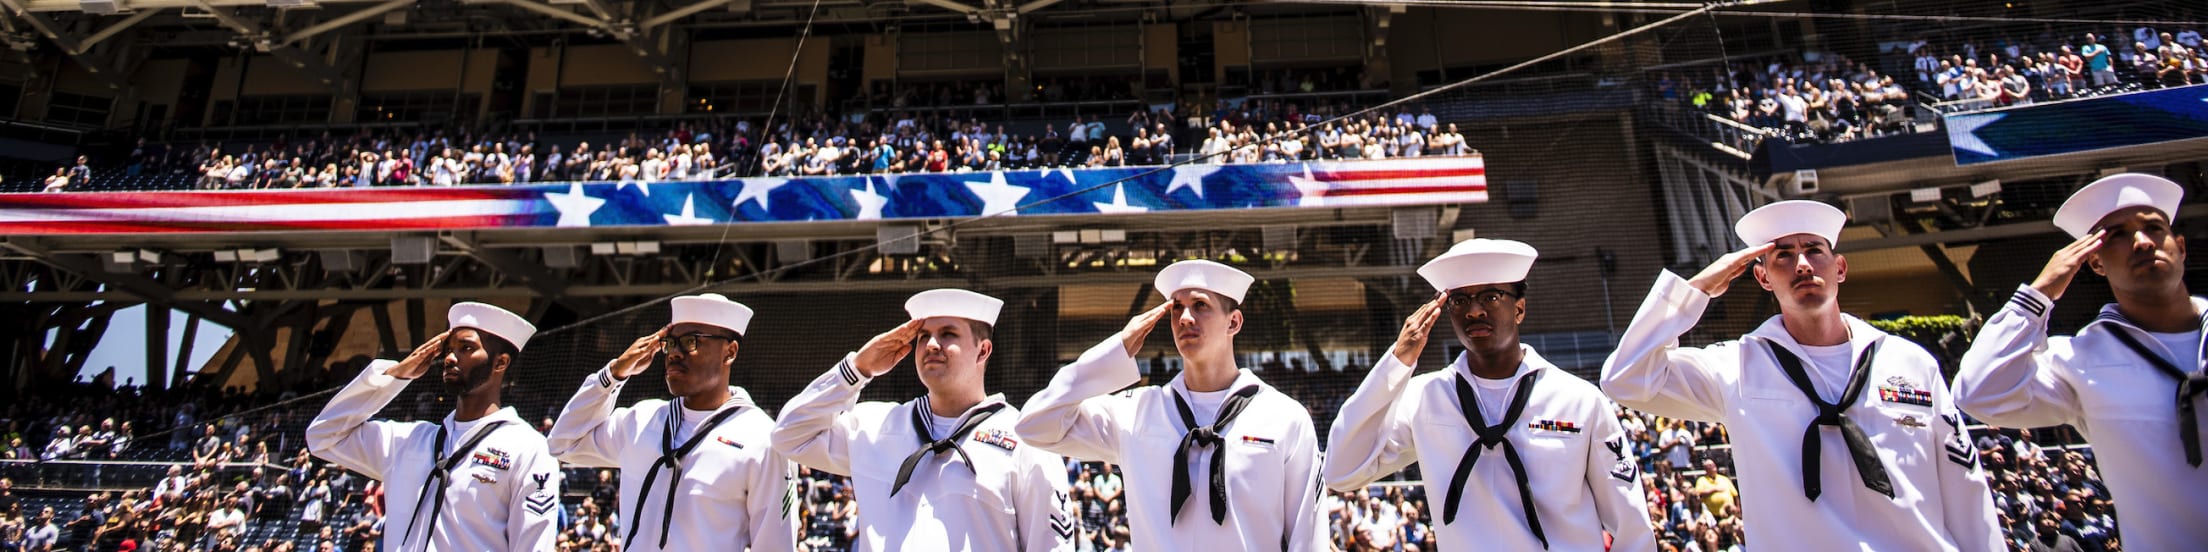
<point x="1518" y="454"/>
<point x="695" y="476"/>
<point x="478" y="480"/>
<point x="942" y="471"/>
<point x="1215" y="459"/>
<point x="1843" y="435"/>
<point x="2115" y="381"/>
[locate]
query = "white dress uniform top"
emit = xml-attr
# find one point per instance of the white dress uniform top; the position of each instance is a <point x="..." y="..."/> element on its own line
<point x="501" y="487"/>
<point x="2119" y="399"/>
<point x="976" y="487"/>
<point x="724" y="486"/>
<point x="1574" y="469"/>
<point x="1270" y="465"/>
<point x="1917" y="485"/>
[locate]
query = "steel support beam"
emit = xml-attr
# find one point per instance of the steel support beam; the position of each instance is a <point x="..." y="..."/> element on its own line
<point x="134" y="285"/>
<point x="343" y="20"/>
<point x="682" y="12"/>
<point x="100" y="69"/>
<point x="330" y="77"/>
<point x="111" y="30"/>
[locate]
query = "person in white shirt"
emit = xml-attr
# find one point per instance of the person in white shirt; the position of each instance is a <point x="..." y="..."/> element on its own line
<point x="1215" y="459"/>
<point x="942" y="471"/>
<point x="1517" y="454"/>
<point x="2115" y="379"/>
<point x="1825" y="462"/>
<point x="481" y="478"/>
<point x="697" y="470"/>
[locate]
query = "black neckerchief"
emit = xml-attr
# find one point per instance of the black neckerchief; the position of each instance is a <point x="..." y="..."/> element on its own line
<point x="1205" y="436"/>
<point x="1490" y="436"/>
<point x="930" y="444"/>
<point x="1835" y="414"/>
<point x="670" y="457"/>
<point x="440" y="476"/>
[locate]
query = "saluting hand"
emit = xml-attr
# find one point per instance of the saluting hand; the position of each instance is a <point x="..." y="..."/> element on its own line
<point x="418" y="362"/>
<point x="2055" y="278"/>
<point x="638" y="356"/>
<point x="1416" y="328"/>
<point x="1139" y="328"/>
<point x="1719" y="276"/>
<point x="885" y="351"/>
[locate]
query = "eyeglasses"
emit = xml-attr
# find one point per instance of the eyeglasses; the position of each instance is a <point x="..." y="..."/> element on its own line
<point x="1485" y="299"/>
<point x="688" y="343"/>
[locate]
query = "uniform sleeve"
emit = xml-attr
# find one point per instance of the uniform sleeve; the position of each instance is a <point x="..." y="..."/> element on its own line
<point x="773" y="503"/>
<point x="817" y="426"/>
<point x="534" y="521"/>
<point x="2004" y="378"/>
<point x="1966" y="503"/>
<point x="1076" y="415"/>
<point x="1372" y="436"/>
<point x="1651" y="372"/>
<point x="1307" y="527"/>
<point x="1043" y="504"/>
<point x="591" y="431"/>
<point x="342" y="434"/>
<point x="1613" y="477"/>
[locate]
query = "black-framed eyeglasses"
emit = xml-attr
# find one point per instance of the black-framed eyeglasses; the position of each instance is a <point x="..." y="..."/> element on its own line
<point x="688" y="343"/>
<point x="1492" y="298"/>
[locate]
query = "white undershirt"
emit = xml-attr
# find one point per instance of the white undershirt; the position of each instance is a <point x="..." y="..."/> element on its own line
<point x="689" y="422"/>
<point x="1494" y="395"/>
<point x="1829" y="368"/>
<point x="2181" y="346"/>
<point x="1205" y="405"/>
<point x="459" y="432"/>
<point x="940" y="427"/>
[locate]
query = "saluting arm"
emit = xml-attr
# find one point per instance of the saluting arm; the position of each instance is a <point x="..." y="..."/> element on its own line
<point x="817" y="425"/>
<point x="1371" y="437"/>
<point x="342" y="433"/>
<point x="2003" y="380"/>
<point x="1651" y="372"/>
<point x="591" y="431"/>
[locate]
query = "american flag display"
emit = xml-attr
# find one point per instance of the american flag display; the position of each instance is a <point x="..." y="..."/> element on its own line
<point x="1412" y="181"/>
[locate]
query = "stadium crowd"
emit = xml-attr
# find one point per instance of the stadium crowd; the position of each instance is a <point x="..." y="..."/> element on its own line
<point x="231" y="482"/>
<point x="1827" y="97"/>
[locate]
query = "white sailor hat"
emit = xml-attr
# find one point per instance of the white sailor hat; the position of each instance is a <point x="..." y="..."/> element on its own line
<point x="1768" y="223"/>
<point x="2114" y="193"/>
<point x="1204" y="275"/>
<point x="1479" y="261"/>
<point x="714" y="310"/>
<point x="955" y="303"/>
<point x="493" y="320"/>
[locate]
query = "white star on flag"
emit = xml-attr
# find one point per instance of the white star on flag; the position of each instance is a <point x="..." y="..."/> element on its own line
<point x="1963" y="132"/>
<point x="1312" y="189"/>
<point x="574" y="207"/>
<point x="1119" y="203"/>
<point x="756" y="189"/>
<point x="641" y="186"/>
<point x="689" y="214"/>
<point x="870" y="203"/>
<point x="1190" y="176"/>
<point x="998" y="197"/>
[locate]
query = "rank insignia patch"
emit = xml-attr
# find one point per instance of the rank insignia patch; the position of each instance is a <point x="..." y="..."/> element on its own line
<point x="1559" y="426"/>
<point x="494" y="458"/>
<point x="1899" y="390"/>
<point x="996" y="437"/>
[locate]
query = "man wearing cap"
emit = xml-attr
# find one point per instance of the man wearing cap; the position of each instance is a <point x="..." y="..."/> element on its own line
<point x="1518" y="455"/>
<point x="2115" y="381"/>
<point x="1843" y="436"/>
<point x="1215" y="459"/>
<point x="698" y="475"/>
<point x="942" y="471"/>
<point x="480" y="479"/>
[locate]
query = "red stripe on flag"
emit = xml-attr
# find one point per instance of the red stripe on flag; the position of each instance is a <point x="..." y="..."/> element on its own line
<point x="1340" y="192"/>
<point x="144" y="200"/>
<point x="1396" y="174"/>
<point x="147" y="227"/>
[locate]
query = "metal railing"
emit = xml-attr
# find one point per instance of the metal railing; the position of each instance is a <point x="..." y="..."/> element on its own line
<point x="1724" y="135"/>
